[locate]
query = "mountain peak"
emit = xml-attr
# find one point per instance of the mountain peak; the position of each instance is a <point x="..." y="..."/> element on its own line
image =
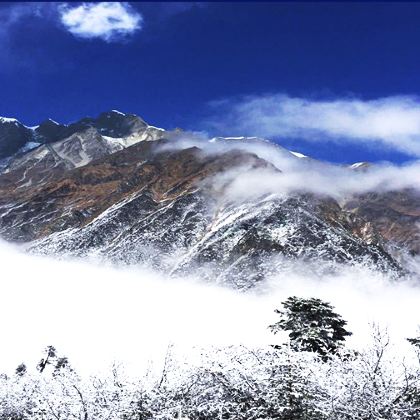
<point x="13" y="136"/>
<point x="9" y="120"/>
<point x="117" y="124"/>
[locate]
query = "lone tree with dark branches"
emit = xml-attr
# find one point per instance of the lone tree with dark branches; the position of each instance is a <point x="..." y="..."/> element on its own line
<point x="313" y="326"/>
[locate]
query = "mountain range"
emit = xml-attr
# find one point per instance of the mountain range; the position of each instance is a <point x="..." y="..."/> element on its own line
<point x="118" y="189"/>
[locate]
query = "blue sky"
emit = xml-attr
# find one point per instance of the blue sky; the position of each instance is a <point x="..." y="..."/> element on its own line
<point x="339" y="82"/>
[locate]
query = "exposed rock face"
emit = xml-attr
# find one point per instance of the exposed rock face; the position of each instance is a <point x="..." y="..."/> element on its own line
<point x="107" y="191"/>
<point x="395" y="215"/>
<point x="50" y="131"/>
<point x="142" y="204"/>
<point x="84" y="193"/>
<point x="111" y="124"/>
<point x="13" y="136"/>
<point x="67" y="147"/>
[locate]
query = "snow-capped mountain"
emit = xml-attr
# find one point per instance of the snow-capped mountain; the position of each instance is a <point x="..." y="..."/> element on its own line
<point x="117" y="188"/>
<point x="57" y="148"/>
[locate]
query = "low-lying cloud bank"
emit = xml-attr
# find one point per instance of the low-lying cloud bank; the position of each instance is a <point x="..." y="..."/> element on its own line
<point x="95" y="315"/>
<point x="392" y="122"/>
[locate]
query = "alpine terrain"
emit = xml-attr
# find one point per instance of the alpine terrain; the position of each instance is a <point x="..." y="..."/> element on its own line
<point x="118" y="189"/>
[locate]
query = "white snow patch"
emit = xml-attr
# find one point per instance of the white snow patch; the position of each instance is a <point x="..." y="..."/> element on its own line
<point x="297" y="154"/>
<point x="282" y="233"/>
<point x="119" y="143"/>
<point x="216" y="139"/>
<point x="54" y="122"/>
<point x="9" y="120"/>
<point x="357" y="165"/>
<point x="238" y="138"/>
<point x="156" y="128"/>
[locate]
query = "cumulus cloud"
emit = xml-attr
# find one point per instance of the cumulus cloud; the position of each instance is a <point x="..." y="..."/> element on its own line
<point x="107" y="21"/>
<point x="393" y="122"/>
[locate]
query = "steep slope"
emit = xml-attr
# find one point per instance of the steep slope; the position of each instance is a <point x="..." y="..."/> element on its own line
<point x="111" y="124"/>
<point x="167" y="208"/>
<point x="395" y="215"/>
<point x="118" y="189"/>
<point x="62" y="148"/>
<point x="13" y="136"/>
<point x="87" y="191"/>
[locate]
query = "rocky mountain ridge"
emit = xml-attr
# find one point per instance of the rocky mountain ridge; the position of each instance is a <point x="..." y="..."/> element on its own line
<point x="121" y="190"/>
<point x="58" y="148"/>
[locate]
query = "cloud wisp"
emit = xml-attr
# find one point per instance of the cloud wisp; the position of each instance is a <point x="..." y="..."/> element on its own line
<point x="109" y="21"/>
<point x="391" y="122"/>
<point x="20" y="19"/>
<point x="332" y="181"/>
<point x="297" y="174"/>
<point x="14" y="14"/>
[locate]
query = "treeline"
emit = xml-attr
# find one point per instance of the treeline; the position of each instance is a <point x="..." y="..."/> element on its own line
<point x="312" y="377"/>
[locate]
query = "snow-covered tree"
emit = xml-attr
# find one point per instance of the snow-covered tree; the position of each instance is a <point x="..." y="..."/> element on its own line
<point x="371" y="385"/>
<point x="236" y="383"/>
<point x="415" y="342"/>
<point x="21" y="369"/>
<point x="312" y="325"/>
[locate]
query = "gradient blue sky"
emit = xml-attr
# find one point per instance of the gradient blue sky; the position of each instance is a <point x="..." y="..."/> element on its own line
<point x="188" y="58"/>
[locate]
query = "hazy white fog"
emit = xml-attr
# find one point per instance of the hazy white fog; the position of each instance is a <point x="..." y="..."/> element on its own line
<point x="95" y="314"/>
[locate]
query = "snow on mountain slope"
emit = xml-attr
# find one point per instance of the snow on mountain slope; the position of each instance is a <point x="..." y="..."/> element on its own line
<point x="299" y="155"/>
<point x="118" y="189"/>
<point x="236" y="244"/>
<point x="167" y="210"/>
<point x="49" y="160"/>
<point x="9" y="120"/>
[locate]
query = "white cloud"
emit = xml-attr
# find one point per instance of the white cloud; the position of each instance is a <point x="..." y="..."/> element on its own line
<point x="332" y="180"/>
<point x="96" y="314"/>
<point x="392" y="122"/>
<point x="107" y="21"/>
<point x="297" y="174"/>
